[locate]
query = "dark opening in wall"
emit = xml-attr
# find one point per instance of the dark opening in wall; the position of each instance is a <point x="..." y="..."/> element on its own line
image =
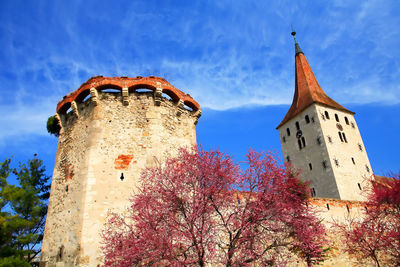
<point x="324" y="164"/>
<point x="299" y="143"/>
<point x="360" y="147"/>
<point x="326" y="114"/>
<point x="297" y="125"/>
<point x="60" y="253"/>
<point x="330" y="139"/>
<point x="336" y="162"/>
<point x="313" y="194"/>
<point x="336" y="117"/>
<point x="86" y="98"/>
<point x="346" y="120"/>
<point x="327" y="206"/>
<point x="348" y="209"/>
<point x="122" y="176"/>
<point x="352" y="125"/>
<point x="303" y="141"/>
<point x="344" y="137"/>
<point x="310" y="166"/>
<point x="354" y="162"/>
<point x="288" y="131"/>
<point x="367" y="168"/>
<point x="319" y="140"/>
<point x="359" y="186"/>
<point x="287" y="158"/>
<point x="307" y="119"/>
<point x="340" y="136"/>
<point x="284" y="139"/>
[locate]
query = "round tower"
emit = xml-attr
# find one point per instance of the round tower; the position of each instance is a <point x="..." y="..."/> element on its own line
<point x="111" y="128"/>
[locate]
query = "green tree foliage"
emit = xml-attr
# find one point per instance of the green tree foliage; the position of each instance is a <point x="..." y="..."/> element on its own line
<point x="52" y="126"/>
<point x="23" y="208"/>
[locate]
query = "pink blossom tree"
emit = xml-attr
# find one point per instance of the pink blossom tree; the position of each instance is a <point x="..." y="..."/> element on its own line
<point x="377" y="234"/>
<point x="201" y="209"/>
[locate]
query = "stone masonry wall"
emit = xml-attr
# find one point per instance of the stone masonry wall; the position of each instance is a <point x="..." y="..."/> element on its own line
<point x="100" y="155"/>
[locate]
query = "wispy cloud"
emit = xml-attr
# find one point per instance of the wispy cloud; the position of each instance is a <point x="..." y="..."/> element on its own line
<point x="225" y="54"/>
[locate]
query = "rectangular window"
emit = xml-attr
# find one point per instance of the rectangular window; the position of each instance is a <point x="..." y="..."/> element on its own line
<point x="354" y="162"/>
<point x="310" y="166"/>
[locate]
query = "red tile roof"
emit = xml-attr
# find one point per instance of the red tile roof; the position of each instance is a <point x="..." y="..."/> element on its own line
<point x="307" y="90"/>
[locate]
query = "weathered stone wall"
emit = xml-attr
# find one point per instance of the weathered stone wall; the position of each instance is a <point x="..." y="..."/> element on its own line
<point x="100" y="143"/>
<point x="331" y="212"/>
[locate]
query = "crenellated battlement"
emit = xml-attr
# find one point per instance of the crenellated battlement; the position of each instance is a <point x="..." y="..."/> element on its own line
<point x="95" y="87"/>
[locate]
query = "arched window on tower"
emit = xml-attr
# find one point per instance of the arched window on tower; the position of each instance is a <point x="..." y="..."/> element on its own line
<point x="307" y="119"/>
<point x="336" y="117"/>
<point x="297" y="125"/>
<point x="327" y="115"/>
<point x="288" y="131"/>
<point x="340" y="136"/>
<point x="346" y="120"/>
<point x="344" y="137"/>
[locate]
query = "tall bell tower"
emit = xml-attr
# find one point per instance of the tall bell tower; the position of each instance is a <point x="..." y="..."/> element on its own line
<point x="321" y="137"/>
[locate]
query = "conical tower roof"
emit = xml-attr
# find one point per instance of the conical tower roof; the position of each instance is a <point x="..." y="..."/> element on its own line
<point x="307" y="90"/>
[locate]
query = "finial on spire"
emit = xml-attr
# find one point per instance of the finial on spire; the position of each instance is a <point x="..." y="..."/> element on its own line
<point x="296" y="45"/>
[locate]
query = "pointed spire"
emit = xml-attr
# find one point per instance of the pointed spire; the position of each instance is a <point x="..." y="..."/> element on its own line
<point x="307" y="90"/>
<point x="296" y="45"/>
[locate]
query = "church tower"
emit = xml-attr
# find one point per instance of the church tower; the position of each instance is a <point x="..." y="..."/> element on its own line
<point x="321" y="137"/>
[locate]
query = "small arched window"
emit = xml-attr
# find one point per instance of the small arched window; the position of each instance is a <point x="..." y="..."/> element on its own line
<point x="297" y="125"/>
<point x="336" y="117"/>
<point x="299" y="143"/>
<point x="327" y="115"/>
<point x="346" y="120"/>
<point x="344" y="137"/>
<point x="340" y="136"/>
<point x="310" y="166"/>
<point x="307" y="119"/>
<point x="288" y="131"/>
<point x="303" y="141"/>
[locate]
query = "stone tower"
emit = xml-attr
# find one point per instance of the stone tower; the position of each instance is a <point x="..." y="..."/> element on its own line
<point x="111" y="128"/>
<point x="321" y="137"/>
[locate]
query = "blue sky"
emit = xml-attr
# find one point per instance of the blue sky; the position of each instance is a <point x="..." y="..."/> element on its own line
<point x="236" y="58"/>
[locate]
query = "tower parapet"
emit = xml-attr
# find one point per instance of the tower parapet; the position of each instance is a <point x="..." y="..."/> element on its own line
<point x="111" y="129"/>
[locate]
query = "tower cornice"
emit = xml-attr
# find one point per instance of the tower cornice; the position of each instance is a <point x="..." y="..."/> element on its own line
<point x="129" y="84"/>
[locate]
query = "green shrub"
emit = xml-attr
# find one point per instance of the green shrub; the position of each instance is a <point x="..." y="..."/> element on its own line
<point x="52" y="126"/>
